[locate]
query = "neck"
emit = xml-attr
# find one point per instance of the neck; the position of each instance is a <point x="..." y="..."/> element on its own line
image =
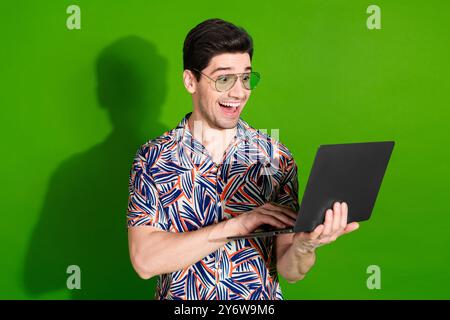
<point x="215" y="140"/>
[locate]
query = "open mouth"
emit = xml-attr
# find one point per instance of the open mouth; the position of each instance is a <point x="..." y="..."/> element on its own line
<point x="230" y="108"/>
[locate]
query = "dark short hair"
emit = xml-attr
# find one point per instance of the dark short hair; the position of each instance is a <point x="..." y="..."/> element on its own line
<point x="210" y="38"/>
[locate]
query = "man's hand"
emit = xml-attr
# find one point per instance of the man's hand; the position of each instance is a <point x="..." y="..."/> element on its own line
<point x="334" y="226"/>
<point x="267" y="214"/>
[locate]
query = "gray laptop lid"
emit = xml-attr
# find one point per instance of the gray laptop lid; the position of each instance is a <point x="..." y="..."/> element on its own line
<point x="344" y="172"/>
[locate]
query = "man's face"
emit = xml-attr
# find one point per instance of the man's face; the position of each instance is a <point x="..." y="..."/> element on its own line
<point x="221" y="110"/>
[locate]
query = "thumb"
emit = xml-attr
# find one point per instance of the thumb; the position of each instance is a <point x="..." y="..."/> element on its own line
<point x="303" y="236"/>
<point x="351" y="227"/>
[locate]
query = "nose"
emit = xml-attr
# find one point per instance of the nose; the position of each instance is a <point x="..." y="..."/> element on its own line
<point x="238" y="91"/>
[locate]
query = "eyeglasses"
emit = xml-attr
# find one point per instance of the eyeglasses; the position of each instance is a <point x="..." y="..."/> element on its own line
<point x="226" y="82"/>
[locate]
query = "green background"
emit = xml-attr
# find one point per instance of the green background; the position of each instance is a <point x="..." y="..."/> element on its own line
<point x="69" y="132"/>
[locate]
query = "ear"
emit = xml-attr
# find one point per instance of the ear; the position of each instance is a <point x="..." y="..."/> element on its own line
<point x="190" y="82"/>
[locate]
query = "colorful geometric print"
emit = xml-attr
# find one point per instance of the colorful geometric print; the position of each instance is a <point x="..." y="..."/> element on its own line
<point x="175" y="186"/>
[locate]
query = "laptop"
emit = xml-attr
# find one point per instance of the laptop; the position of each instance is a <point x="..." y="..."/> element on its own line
<point x="350" y="173"/>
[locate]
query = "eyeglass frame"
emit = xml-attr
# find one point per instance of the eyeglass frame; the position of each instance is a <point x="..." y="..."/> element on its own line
<point x="239" y="75"/>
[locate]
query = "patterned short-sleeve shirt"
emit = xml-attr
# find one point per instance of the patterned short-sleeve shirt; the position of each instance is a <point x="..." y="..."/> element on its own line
<point x="175" y="186"/>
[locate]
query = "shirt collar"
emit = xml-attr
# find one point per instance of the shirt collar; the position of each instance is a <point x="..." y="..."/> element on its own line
<point x="244" y="132"/>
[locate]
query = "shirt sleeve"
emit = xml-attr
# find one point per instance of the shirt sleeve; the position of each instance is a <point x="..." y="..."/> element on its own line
<point x="288" y="191"/>
<point x="144" y="206"/>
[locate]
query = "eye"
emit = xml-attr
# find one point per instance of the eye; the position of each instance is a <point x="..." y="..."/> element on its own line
<point x="223" y="79"/>
<point x="246" y="76"/>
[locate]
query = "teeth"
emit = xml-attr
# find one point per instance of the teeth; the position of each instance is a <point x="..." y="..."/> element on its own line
<point x="230" y="104"/>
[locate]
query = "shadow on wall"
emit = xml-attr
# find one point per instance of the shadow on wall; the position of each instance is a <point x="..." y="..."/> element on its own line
<point x="83" y="220"/>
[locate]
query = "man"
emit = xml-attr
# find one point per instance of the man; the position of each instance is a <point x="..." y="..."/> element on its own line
<point x="215" y="176"/>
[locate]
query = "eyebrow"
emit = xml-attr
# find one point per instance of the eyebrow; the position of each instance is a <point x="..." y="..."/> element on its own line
<point x="228" y="68"/>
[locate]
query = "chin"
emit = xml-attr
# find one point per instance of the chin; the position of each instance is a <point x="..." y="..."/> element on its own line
<point x="227" y="123"/>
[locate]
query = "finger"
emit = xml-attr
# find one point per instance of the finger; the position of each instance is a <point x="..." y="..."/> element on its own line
<point x="336" y="218"/>
<point x="317" y="232"/>
<point x="279" y="216"/>
<point x="351" y="227"/>
<point x="344" y="215"/>
<point x="280" y="208"/>
<point x="328" y="222"/>
<point x="268" y="219"/>
<point x="309" y="236"/>
<point x="280" y="212"/>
